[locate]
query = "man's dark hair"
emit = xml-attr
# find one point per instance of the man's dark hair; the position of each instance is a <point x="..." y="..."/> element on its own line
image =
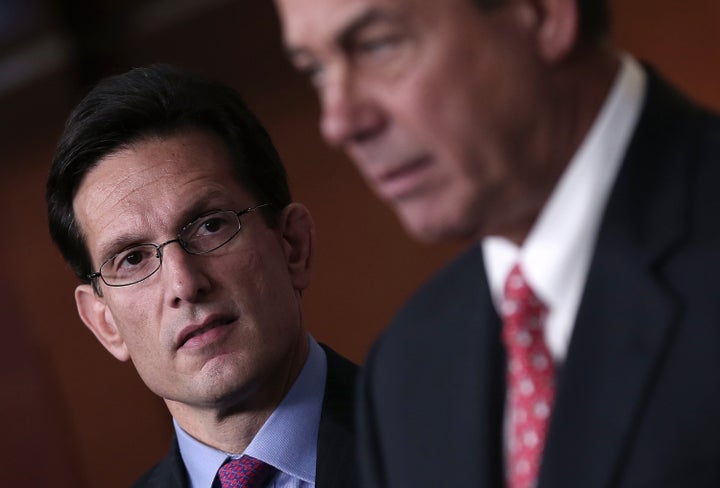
<point x="594" y="16"/>
<point x="157" y="100"/>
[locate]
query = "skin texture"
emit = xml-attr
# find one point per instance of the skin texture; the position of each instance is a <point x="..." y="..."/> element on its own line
<point x="244" y="297"/>
<point x="460" y="119"/>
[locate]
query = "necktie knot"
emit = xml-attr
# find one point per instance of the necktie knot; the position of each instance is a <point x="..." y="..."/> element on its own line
<point x="531" y="379"/>
<point x="244" y="472"/>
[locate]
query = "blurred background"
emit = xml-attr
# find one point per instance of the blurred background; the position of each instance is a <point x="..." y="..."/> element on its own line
<point x="71" y="414"/>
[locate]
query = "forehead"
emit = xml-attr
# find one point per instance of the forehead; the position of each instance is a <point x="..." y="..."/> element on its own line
<point x="160" y="167"/>
<point x="156" y="183"/>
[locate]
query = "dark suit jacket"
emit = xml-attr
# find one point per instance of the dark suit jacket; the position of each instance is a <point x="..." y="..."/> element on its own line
<point x="638" y="397"/>
<point x="336" y="464"/>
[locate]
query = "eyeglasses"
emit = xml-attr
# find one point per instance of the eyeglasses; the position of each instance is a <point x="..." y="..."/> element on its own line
<point x="201" y="236"/>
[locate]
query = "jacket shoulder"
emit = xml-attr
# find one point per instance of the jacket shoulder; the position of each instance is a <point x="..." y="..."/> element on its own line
<point x="460" y="281"/>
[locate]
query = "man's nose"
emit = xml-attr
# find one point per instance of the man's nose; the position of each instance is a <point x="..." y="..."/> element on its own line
<point x="350" y="113"/>
<point x="184" y="274"/>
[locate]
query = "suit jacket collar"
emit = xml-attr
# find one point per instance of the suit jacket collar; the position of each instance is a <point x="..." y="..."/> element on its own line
<point x="628" y="311"/>
<point x="336" y="458"/>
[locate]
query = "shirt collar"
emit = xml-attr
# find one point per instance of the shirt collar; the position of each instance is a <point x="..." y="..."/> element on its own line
<point x="556" y="254"/>
<point x="288" y="438"/>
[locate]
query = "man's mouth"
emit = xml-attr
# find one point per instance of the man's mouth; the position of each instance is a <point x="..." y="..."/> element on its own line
<point x="198" y="335"/>
<point x="403" y="180"/>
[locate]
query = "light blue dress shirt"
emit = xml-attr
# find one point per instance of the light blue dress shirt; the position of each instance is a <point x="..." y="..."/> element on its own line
<point x="287" y="440"/>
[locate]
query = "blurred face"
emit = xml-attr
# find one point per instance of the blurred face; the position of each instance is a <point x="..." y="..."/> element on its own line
<point x="205" y="331"/>
<point x="435" y="102"/>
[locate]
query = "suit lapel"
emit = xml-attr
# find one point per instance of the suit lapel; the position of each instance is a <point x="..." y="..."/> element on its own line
<point x="465" y="390"/>
<point x="432" y="415"/>
<point x="336" y="459"/>
<point x="492" y="386"/>
<point x="628" y="312"/>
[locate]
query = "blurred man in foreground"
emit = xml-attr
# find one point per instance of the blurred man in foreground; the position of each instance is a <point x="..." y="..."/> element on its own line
<point x="577" y="342"/>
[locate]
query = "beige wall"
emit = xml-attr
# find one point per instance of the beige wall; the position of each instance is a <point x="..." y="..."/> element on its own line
<point x="64" y="396"/>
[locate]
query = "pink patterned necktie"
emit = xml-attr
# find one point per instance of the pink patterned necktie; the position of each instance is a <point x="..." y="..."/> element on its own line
<point x="531" y="379"/>
<point x="244" y="472"/>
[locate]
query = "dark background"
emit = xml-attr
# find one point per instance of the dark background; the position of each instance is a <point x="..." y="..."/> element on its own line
<point x="69" y="412"/>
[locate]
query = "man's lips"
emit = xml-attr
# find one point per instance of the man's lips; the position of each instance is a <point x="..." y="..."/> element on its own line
<point x="403" y="179"/>
<point x="190" y="332"/>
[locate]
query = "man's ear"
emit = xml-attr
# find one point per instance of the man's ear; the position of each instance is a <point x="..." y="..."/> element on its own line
<point x="556" y="24"/>
<point x="94" y="312"/>
<point x="559" y="29"/>
<point x="297" y="231"/>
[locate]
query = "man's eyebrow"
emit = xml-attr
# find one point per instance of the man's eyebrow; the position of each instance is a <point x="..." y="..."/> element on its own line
<point x="200" y="206"/>
<point x="361" y="22"/>
<point x="110" y="248"/>
<point x="346" y="34"/>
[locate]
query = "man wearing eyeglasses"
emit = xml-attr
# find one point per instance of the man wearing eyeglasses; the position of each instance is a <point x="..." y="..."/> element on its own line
<point x="169" y="201"/>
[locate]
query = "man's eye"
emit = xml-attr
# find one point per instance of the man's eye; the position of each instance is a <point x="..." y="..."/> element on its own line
<point x="374" y="45"/>
<point x="212" y="225"/>
<point x="132" y="258"/>
<point x="312" y="71"/>
<point x="377" y="44"/>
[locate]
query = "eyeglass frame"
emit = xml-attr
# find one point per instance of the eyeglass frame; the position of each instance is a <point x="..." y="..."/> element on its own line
<point x="159" y="247"/>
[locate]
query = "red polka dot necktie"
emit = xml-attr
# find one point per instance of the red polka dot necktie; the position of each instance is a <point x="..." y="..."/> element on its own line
<point x="244" y="472"/>
<point x="531" y="380"/>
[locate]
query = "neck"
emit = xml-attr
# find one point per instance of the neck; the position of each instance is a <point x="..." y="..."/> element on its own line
<point x="576" y="91"/>
<point x="230" y="425"/>
<point x="581" y="87"/>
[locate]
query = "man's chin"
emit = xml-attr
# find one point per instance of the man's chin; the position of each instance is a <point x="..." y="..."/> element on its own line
<point x="431" y="227"/>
